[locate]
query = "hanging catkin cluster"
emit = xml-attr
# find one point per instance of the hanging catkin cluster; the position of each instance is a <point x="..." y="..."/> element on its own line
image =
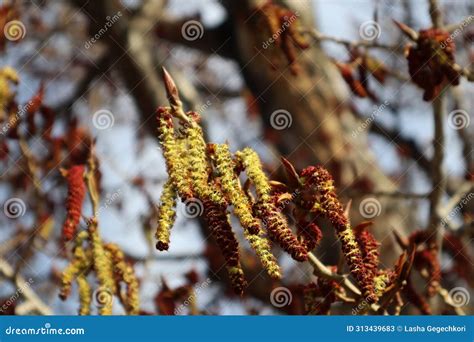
<point x="115" y="276"/>
<point x="107" y="262"/>
<point x="357" y="249"/>
<point x="208" y="174"/>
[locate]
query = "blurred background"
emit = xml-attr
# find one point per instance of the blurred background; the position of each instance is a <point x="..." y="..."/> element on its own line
<point x="97" y="65"/>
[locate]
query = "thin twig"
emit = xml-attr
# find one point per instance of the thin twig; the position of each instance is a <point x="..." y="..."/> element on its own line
<point x="37" y="305"/>
<point x="322" y="271"/>
<point x="319" y="37"/>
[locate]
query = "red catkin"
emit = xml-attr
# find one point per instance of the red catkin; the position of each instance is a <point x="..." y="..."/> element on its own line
<point x="75" y="197"/>
<point x="310" y="234"/>
<point x="217" y="220"/>
<point x="369" y="247"/>
<point x="328" y="205"/>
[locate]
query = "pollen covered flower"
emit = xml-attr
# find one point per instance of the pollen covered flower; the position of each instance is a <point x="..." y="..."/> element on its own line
<point x="272" y="218"/>
<point x="78" y="265"/>
<point x="85" y="295"/>
<point x="197" y="156"/>
<point x="232" y="189"/>
<point x="75" y="197"/>
<point x="369" y="247"/>
<point x="327" y="204"/>
<point x="262" y="248"/>
<point x="175" y="164"/>
<point x="217" y="219"/>
<point x="310" y="234"/>
<point x="166" y="216"/>
<point x="103" y="268"/>
<point x="123" y="272"/>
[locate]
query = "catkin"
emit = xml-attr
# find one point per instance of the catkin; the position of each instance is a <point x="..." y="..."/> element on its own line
<point x="262" y="248"/>
<point x="68" y="275"/>
<point x="197" y="158"/>
<point x="124" y="273"/>
<point x="330" y="207"/>
<point x="75" y="197"/>
<point x="78" y="265"/>
<point x="171" y="152"/>
<point x="166" y="216"/>
<point x="273" y="219"/>
<point x="85" y="295"/>
<point x="232" y="189"/>
<point x="103" y="268"/>
<point x="370" y="254"/>
<point x="218" y="221"/>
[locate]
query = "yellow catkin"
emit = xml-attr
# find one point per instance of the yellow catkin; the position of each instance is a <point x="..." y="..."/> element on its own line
<point x="79" y="264"/>
<point x="80" y="238"/>
<point x="124" y="272"/>
<point x="166" y="215"/>
<point x="7" y="75"/>
<point x="380" y="284"/>
<point x="197" y="159"/>
<point x="103" y="268"/>
<point x="85" y="295"/>
<point x="274" y="221"/>
<point x="251" y="162"/>
<point x="68" y="275"/>
<point x="262" y="248"/>
<point x="237" y="278"/>
<point x="232" y="189"/>
<point x="171" y="151"/>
